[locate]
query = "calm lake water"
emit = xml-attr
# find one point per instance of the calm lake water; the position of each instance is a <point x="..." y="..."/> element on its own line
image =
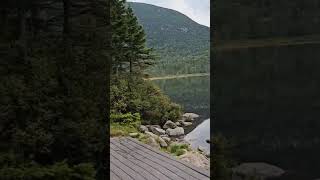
<point x="193" y="94"/>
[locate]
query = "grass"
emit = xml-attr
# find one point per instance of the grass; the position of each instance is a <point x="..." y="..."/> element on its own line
<point x="119" y="129"/>
<point x="178" y="149"/>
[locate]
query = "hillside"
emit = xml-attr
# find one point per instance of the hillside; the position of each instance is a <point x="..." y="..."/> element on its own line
<point x="181" y="44"/>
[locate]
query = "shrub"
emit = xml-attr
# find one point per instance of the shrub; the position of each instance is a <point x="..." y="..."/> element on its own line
<point x="135" y="95"/>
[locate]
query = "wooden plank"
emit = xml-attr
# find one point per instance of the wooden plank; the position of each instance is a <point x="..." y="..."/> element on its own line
<point x="139" y="162"/>
<point x="160" y="164"/>
<point x="131" y="159"/>
<point x="144" y="173"/>
<point x="161" y="172"/>
<point x="113" y="176"/>
<point x="196" y="169"/>
<point x="119" y="172"/>
<point x="133" y="174"/>
<point x="178" y="168"/>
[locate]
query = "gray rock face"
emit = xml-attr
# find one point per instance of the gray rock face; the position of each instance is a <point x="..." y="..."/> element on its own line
<point x="158" y="131"/>
<point x="169" y="124"/>
<point x="259" y="170"/>
<point x="178" y="123"/>
<point x="162" y="142"/>
<point x="143" y="128"/>
<point x="179" y="131"/>
<point x="152" y="142"/>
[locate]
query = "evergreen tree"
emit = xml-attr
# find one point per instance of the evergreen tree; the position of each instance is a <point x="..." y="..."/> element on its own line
<point x="128" y="40"/>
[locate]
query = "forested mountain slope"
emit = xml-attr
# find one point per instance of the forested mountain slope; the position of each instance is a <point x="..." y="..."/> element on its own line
<point x="181" y="44"/>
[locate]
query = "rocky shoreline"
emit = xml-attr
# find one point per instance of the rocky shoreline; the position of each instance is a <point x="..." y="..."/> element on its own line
<point x="170" y="138"/>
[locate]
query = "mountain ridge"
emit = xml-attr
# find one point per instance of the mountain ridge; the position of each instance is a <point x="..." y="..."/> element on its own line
<point x="181" y="43"/>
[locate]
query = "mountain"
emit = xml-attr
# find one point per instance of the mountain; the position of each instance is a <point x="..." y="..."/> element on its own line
<point x="181" y="44"/>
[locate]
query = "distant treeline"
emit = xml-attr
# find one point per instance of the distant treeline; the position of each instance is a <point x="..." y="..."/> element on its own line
<point x="250" y="19"/>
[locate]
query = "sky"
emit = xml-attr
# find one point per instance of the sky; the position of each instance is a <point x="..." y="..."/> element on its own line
<point x="197" y="10"/>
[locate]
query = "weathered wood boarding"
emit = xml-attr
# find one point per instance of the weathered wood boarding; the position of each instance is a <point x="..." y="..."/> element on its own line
<point x="133" y="160"/>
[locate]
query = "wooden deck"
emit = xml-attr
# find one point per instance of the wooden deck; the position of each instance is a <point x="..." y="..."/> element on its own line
<point x="133" y="160"/>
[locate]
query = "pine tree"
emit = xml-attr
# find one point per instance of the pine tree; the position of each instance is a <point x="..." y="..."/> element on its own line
<point x="129" y="41"/>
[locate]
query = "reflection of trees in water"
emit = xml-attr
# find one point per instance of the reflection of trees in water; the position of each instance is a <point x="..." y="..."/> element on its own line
<point x="192" y="93"/>
<point x="268" y="100"/>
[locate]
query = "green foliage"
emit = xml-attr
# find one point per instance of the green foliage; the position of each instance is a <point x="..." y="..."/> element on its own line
<point x="178" y="149"/>
<point x="127" y="118"/>
<point x="128" y="42"/>
<point x="250" y="19"/>
<point x="53" y="79"/>
<point x="221" y="158"/>
<point x="140" y="96"/>
<point x="58" y="171"/>
<point x="181" y="44"/>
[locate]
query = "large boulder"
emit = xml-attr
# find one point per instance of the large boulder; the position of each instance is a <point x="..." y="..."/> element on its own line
<point x="158" y="131"/>
<point x="189" y="116"/>
<point x="143" y="128"/>
<point x="259" y="170"/>
<point x="178" y="131"/>
<point x="169" y="124"/>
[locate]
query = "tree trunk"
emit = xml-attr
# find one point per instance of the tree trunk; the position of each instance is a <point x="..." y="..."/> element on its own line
<point x="130" y="66"/>
<point x="22" y="33"/>
<point x="66" y="28"/>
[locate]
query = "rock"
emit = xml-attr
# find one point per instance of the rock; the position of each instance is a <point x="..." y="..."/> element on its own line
<point x="167" y="139"/>
<point x="179" y="131"/>
<point x="162" y="142"/>
<point x="152" y="142"/>
<point x="178" y="123"/>
<point x="169" y="124"/>
<point x="158" y="131"/>
<point x="150" y="134"/>
<point x="196" y="159"/>
<point x="186" y="124"/>
<point x="258" y="170"/>
<point x="143" y="128"/>
<point x="189" y="116"/>
<point x="152" y="127"/>
<point x="201" y="149"/>
<point x="134" y="135"/>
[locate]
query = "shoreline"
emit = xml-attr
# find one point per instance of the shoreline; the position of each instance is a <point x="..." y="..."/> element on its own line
<point x="177" y="76"/>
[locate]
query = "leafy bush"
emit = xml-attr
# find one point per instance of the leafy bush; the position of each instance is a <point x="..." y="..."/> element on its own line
<point x="57" y="171"/>
<point x="127" y="118"/>
<point x="135" y="95"/>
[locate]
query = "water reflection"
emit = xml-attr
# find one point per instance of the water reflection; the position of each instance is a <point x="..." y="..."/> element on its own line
<point x="193" y="94"/>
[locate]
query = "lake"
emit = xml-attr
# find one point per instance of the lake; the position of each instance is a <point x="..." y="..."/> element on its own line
<point x="267" y="102"/>
<point x="193" y="94"/>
